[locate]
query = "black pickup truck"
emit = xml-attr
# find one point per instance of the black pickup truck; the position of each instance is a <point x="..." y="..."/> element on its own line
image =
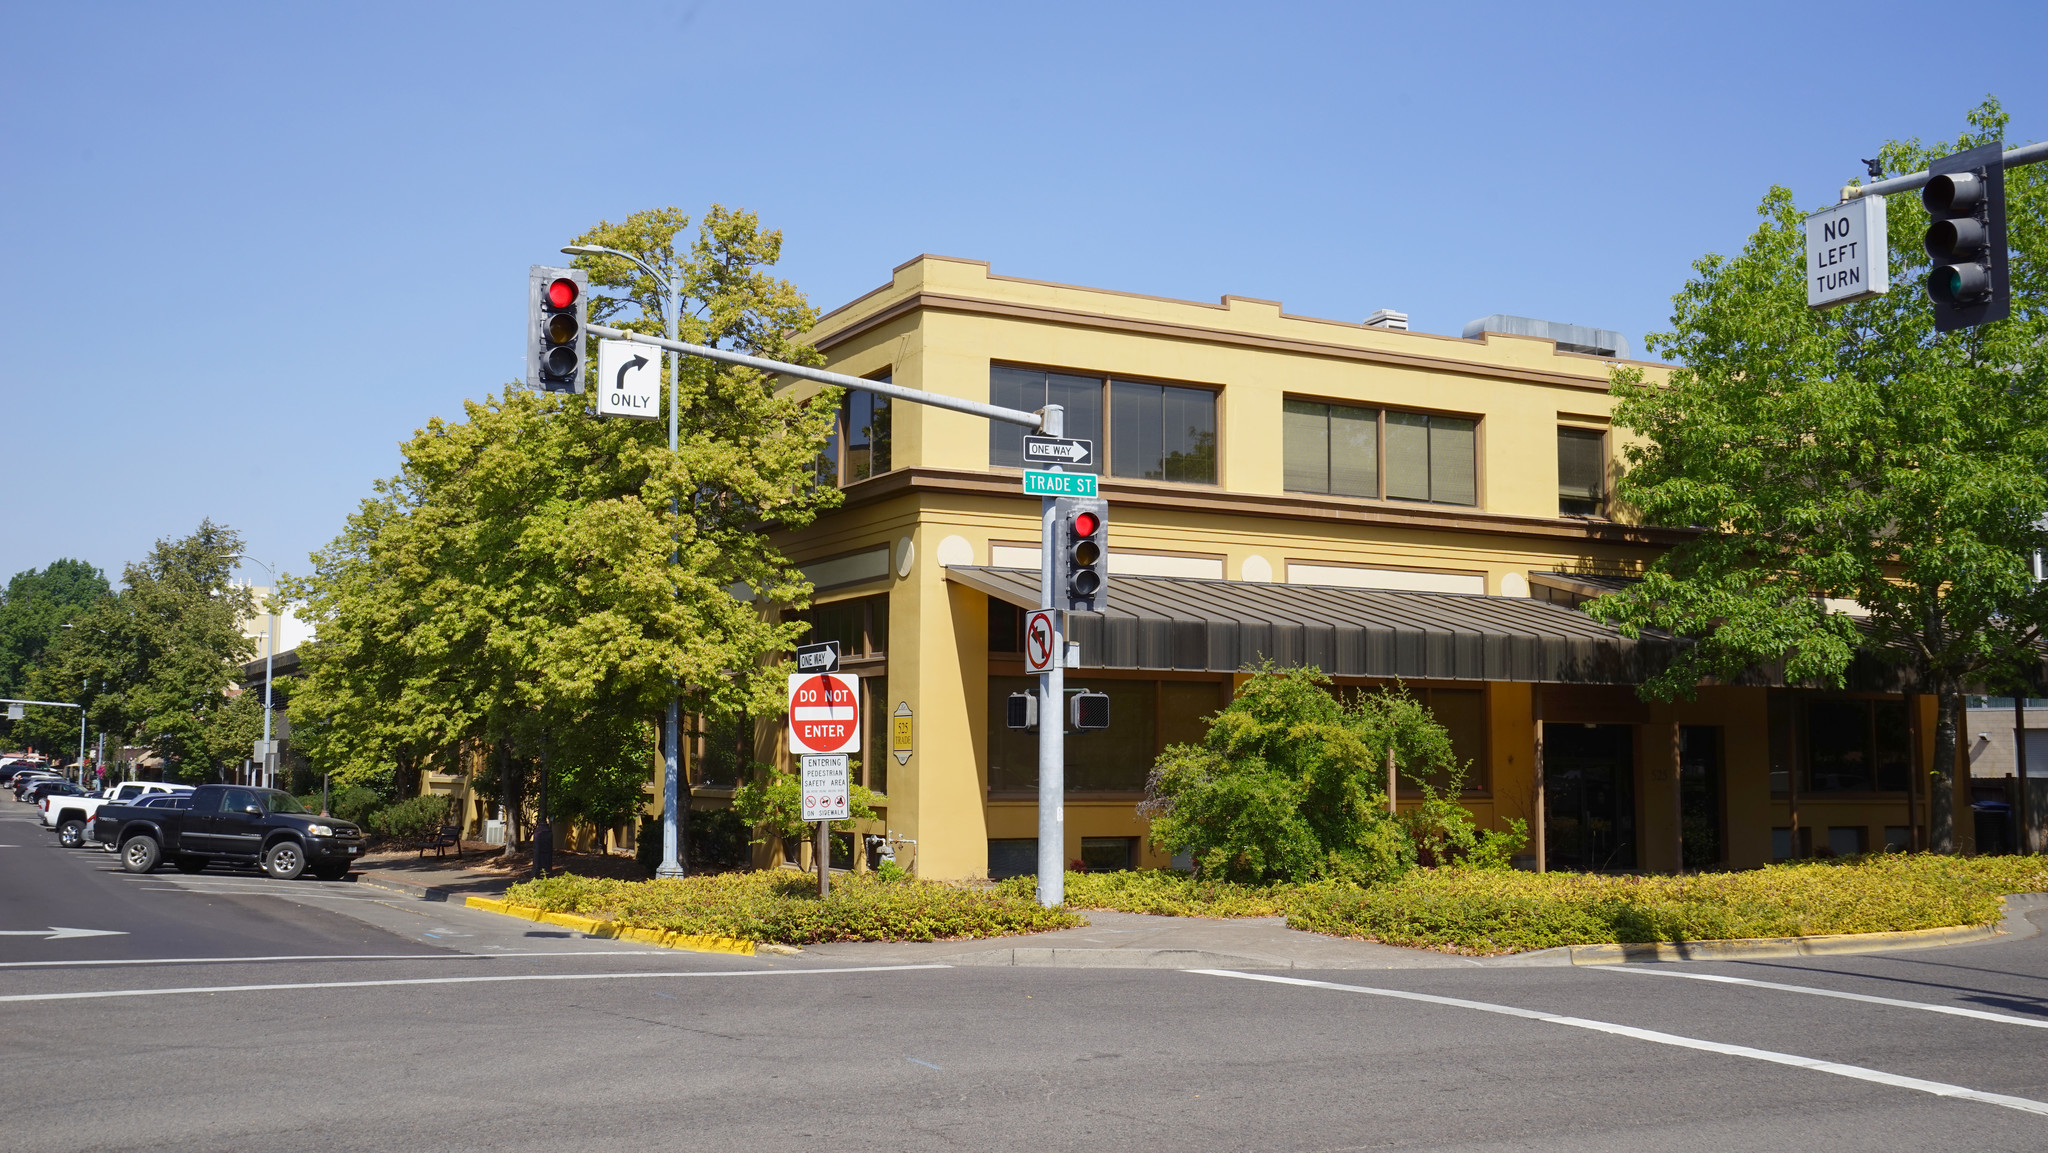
<point x="238" y="824"/>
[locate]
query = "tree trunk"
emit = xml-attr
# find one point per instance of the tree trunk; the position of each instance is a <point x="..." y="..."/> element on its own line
<point x="1941" y="805"/>
<point x="506" y="796"/>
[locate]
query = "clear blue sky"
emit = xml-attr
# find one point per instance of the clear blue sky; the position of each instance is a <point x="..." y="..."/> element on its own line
<point x="250" y="248"/>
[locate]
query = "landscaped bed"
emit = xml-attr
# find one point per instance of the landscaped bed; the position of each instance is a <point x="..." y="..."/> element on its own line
<point x="782" y="907"/>
<point x="1486" y="911"/>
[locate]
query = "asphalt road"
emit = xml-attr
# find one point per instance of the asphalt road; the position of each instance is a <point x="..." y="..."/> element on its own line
<point x="382" y="1022"/>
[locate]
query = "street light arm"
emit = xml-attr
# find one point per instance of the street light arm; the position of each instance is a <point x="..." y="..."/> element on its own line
<point x="840" y="380"/>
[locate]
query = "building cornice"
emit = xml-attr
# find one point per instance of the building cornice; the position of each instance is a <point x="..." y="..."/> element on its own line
<point x="1074" y="318"/>
<point x="1290" y="506"/>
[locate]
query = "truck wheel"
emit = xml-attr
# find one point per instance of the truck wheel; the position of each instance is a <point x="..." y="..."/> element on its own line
<point x="285" y="860"/>
<point x="141" y="854"/>
<point x="187" y="863"/>
<point x="71" y="833"/>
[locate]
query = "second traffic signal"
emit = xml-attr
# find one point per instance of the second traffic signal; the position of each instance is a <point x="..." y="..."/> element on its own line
<point x="557" y="305"/>
<point x="1965" y="199"/>
<point x="1080" y="568"/>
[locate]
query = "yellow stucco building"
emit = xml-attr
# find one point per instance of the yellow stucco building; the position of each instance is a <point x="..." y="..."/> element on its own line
<point x="1375" y="501"/>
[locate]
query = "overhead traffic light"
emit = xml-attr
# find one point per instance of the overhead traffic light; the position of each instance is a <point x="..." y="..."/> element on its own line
<point x="1965" y="199"/>
<point x="556" y="309"/>
<point x="1081" y="553"/>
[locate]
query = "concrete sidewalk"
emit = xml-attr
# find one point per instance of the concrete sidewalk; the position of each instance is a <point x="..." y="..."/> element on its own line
<point x="1144" y="941"/>
<point x="437" y="880"/>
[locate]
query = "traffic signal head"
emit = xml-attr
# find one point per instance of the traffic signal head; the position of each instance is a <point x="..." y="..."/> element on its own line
<point x="556" y="309"/>
<point x="1081" y="553"/>
<point x="1965" y="200"/>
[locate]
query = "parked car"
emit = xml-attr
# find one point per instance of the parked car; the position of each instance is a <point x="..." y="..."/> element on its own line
<point x="23" y="781"/>
<point x="238" y="824"/>
<point x="58" y="785"/>
<point x="72" y="816"/>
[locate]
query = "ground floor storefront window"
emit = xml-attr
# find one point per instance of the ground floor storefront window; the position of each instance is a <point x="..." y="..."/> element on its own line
<point x="1145" y="716"/>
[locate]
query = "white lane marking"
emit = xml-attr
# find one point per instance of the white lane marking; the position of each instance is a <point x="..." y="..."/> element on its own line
<point x="102" y="993"/>
<point x="1857" y="1072"/>
<point x="54" y="933"/>
<point x="344" y="957"/>
<point x="293" y="893"/>
<point x="926" y="1064"/>
<point x="1812" y="991"/>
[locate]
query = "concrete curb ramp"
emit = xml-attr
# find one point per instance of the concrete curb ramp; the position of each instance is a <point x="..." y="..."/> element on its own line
<point x="591" y="926"/>
<point x="1753" y="948"/>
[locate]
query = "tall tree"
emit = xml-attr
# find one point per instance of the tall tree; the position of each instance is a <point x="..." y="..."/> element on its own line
<point x="513" y="584"/>
<point x="158" y="661"/>
<point x="1848" y="456"/>
<point x="34" y="609"/>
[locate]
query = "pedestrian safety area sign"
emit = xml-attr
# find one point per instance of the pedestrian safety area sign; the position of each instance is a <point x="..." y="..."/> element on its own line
<point x="824" y="713"/>
<point x="825" y="788"/>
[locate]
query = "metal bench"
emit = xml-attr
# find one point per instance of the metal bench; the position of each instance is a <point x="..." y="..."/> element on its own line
<point x="449" y="836"/>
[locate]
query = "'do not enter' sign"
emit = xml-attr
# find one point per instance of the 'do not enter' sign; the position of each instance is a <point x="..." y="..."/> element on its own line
<point x="824" y="713"/>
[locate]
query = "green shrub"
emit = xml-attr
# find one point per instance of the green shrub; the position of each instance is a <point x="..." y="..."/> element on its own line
<point x="1496" y="911"/>
<point x="1290" y="784"/>
<point x="715" y="840"/>
<point x="353" y="804"/>
<point x="1165" y="892"/>
<point x="783" y="906"/>
<point x="412" y="817"/>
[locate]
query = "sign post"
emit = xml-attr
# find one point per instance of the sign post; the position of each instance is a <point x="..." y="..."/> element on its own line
<point x="824" y="726"/>
<point x="825" y="801"/>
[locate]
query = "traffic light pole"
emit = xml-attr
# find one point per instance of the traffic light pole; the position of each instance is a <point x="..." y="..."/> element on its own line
<point x="1049" y="421"/>
<point x="2013" y="158"/>
<point x="1052" y="723"/>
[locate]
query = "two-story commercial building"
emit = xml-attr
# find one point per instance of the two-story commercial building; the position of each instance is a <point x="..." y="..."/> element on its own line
<point x="1380" y="503"/>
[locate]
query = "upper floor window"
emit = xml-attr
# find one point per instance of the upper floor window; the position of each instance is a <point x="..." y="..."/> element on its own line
<point x="1581" y="472"/>
<point x="860" y="626"/>
<point x="1346" y="450"/>
<point x="1154" y="431"/>
<point x="858" y="445"/>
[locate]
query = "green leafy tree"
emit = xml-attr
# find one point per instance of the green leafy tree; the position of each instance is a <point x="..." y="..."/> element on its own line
<point x="513" y="584"/>
<point x="1852" y="455"/>
<point x="158" y="661"/>
<point x="34" y="609"/>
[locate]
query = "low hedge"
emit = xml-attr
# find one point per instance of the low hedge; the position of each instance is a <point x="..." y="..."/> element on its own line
<point x="782" y="907"/>
<point x="1485" y="911"/>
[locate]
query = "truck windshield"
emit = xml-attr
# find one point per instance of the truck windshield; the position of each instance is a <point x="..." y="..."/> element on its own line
<point x="282" y="803"/>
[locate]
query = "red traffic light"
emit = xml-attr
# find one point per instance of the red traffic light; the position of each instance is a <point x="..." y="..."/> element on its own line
<point x="561" y="292"/>
<point x="1085" y="523"/>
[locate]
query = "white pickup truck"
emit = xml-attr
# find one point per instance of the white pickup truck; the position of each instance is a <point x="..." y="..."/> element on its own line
<point x="72" y="816"/>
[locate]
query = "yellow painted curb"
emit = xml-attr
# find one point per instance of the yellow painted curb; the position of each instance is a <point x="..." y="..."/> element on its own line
<point x="1746" y="948"/>
<point x="695" y="943"/>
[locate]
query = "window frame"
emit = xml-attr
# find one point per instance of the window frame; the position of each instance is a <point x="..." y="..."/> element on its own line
<point x="1382" y="412"/>
<point x="1104" y="451"/>
<point x="839" y="439"/>
<point x="1604" y="502"/>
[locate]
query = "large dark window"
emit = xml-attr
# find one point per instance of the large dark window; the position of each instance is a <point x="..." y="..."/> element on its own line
<point x="1155" y="431"/>
<point x="1432" y="458"/>
<point x="1581" y="472"/>
<point x="860" y="626"/>
<point x="1145" y="716"/>
<point x="1856" y="746"/>
<point x="858" y="445"/>
<point x="1699" y="792"/>
<point x="1331" y="448"/>
<point x="1160" y="432"/>
<point x="1031" y="389"/>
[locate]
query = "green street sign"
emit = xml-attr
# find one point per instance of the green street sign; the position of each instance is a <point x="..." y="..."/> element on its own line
<point x="1039" y="482"/>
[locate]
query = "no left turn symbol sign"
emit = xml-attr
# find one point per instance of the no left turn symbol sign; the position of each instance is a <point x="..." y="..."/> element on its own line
<point x="1041" y="651"/>
<point x="824" y="713"/>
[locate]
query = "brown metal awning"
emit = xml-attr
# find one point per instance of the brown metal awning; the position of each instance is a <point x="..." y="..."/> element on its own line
<point x="1176" y="623"/>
